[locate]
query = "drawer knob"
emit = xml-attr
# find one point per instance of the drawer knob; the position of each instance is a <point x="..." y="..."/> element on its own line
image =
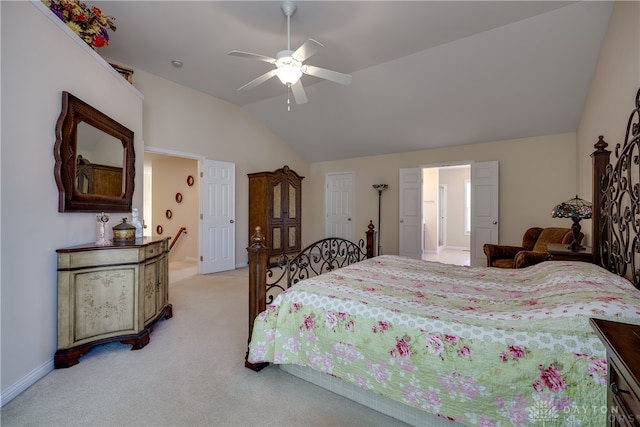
<point x="615" y="390"/>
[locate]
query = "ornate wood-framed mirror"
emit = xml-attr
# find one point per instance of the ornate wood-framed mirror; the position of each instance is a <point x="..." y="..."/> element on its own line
<point x="95" y="160"/>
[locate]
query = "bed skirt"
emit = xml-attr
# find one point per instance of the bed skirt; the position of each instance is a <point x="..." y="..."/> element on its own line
<point x="377" y="402"/>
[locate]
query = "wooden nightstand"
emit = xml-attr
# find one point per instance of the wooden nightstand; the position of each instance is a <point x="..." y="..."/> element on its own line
<point x="622" y="341"/>
<point x="559" y="252"/>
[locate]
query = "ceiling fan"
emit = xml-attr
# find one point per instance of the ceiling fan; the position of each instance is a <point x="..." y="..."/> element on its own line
<point x="290" y="65"/>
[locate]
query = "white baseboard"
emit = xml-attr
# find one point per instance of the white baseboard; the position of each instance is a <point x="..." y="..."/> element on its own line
<point x="458" y="248"/>
<point x="27" y="381"/>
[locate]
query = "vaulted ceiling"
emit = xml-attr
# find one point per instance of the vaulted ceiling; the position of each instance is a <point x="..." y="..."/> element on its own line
<point x="426" y="74"/>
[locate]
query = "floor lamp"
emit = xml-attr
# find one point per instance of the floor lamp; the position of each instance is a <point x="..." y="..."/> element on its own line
<point x="380" y="188"/>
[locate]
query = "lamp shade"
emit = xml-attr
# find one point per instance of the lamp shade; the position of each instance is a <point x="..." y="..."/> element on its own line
<point x="574" y="208"/>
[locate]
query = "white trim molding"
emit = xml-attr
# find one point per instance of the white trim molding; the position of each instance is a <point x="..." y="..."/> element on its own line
<point x="25" y="382"/>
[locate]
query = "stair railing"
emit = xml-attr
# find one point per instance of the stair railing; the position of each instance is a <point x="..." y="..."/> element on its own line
<point x="183" y="230"/>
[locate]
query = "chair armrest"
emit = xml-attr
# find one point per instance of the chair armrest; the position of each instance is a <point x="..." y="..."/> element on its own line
<point x="527" y="258"/>
<point x="494" y="252"/>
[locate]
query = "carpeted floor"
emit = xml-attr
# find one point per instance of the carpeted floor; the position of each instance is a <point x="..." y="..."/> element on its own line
<point x="190" y="374"/>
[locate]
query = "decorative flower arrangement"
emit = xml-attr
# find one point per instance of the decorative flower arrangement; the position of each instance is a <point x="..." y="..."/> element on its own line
<point x="89" y="23"/>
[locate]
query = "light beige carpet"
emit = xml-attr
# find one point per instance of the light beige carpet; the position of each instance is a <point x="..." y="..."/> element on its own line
<point x="190" y="374"/>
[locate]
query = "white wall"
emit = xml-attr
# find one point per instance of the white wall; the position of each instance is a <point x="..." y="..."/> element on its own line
<point x="430" y="210"/>
<point x="612" y="93"/>
<point x="39" y="61"/>
<point x="454" y="179"/>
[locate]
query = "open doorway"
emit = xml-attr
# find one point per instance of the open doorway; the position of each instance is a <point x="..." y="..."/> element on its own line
<point x="171" y="206"/>
<point x="446" y="214"/>
<point x="419" y="210"/>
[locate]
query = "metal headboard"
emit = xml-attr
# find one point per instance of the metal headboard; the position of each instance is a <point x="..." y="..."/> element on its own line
<point x="616" y="198"/>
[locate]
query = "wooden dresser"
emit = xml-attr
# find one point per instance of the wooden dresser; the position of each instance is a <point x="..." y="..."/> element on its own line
<point x="623" y="359"/>
<point x="110" y="293"/>
<point x="275" y="204"/>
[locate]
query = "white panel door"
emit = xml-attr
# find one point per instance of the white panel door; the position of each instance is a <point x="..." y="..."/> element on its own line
<point x="339" y="205"/>
<point x="217" y="198"/>
<point x="411" y="213"/>
<point x="484" y="209"/>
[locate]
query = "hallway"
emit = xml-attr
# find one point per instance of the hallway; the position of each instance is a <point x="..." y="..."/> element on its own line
<point x="450" y="256"/>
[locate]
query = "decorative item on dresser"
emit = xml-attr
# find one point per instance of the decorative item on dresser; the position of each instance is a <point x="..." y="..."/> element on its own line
<point x="275" y="206"/>
<point x="623" y="359"/>
<point x="110" y="293"/>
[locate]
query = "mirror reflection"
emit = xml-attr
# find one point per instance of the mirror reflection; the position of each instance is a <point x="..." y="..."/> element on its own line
<point x="100" y="158"/>
<point x="94" y="160"/>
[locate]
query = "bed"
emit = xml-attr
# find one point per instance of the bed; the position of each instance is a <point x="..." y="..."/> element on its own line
<point x="474" y="345"/>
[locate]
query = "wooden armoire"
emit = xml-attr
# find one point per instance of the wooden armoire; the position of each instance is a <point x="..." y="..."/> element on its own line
<point x="275" y="206"/>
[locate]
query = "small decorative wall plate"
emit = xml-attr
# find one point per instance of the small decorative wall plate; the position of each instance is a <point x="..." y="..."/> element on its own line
<point x="178" y="197"/>
<point x="159" y="229"/>
<point x="168" y="214"/>
<point x="189" y="180"/>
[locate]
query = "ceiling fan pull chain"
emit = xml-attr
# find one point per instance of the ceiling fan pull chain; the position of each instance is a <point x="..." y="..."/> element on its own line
<point x="289" y="97"/>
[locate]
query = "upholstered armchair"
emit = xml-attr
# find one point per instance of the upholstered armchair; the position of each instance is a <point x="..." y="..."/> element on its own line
<point x="533" y="249"/>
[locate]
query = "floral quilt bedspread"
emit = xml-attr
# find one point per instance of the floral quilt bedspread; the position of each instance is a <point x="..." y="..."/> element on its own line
<point x="481" y="346"/>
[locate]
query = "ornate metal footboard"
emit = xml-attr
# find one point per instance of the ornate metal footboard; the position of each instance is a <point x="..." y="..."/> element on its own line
<point x="266" y="282"/>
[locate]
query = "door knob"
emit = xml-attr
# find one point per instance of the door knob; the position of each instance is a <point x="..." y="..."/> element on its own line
<point x="348" y="219"/>
<point x="231" y="221"/>
<point x="495" y="222"/>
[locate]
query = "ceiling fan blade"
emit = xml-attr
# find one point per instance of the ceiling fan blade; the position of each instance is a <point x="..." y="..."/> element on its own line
<point x="298" y="92"/>
<point x="259" y="80"/>
<point x="323" y="73"/>
<point x="252" y="56"/>
<point x="307" y="50"/>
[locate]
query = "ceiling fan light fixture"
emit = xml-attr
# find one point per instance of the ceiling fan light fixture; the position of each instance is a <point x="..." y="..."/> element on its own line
<point x="289" y="74"/>
<point x="289" y="69"/>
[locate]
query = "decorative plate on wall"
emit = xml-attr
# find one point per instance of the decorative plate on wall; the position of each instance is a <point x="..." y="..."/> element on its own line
<point x="178" y="197"/>
<point x="168" y="214"/>
<point x="189" y="180"/>
<point x="159" y="229"/>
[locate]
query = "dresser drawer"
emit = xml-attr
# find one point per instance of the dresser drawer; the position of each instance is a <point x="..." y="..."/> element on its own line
<point x="155" y="249"/>
<point x="625" y="405"/>
<point x="622" y="342"/>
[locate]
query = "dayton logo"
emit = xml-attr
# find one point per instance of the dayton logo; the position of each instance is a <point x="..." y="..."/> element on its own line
<point x="542" y="413"/>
